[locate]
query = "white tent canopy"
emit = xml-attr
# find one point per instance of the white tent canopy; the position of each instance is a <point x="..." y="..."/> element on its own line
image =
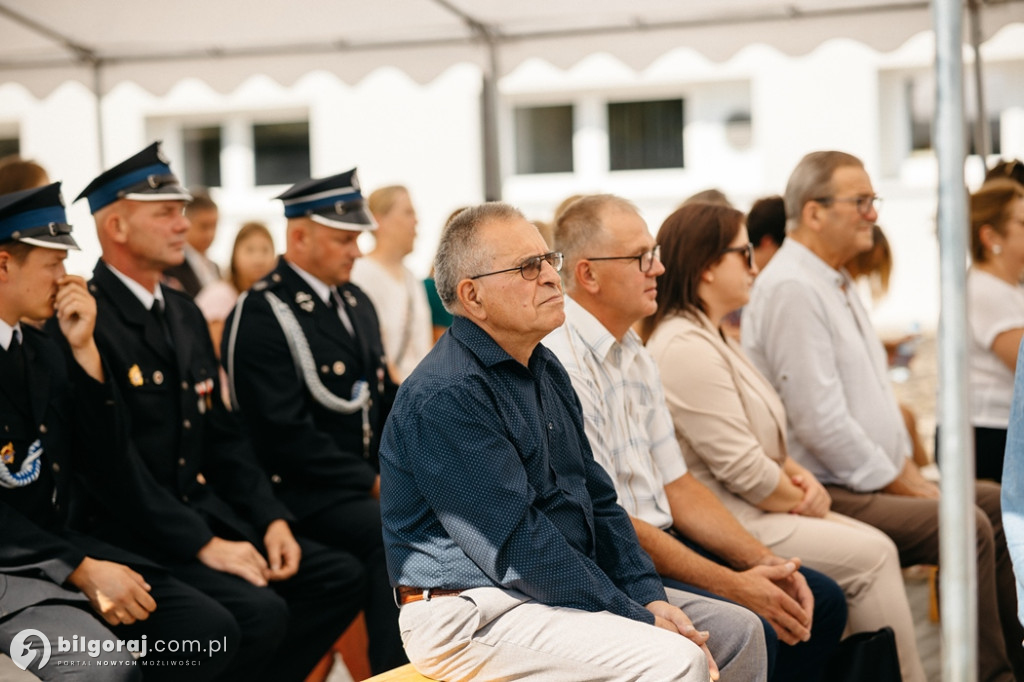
<point x="101" y="42"/>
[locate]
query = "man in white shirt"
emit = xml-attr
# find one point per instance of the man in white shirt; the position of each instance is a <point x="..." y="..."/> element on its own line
<point x="611" y="272"/>
<point x="807" y="331"/>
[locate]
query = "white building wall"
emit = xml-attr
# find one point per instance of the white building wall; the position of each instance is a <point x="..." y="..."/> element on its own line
<point x="842" y="95"/>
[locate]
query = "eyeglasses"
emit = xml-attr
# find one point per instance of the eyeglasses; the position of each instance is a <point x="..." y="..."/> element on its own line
<point x="747" y="250"/>
<point x="645" y="259"/>
<point x="864" y="202"/>
<point x="531" y="267"/>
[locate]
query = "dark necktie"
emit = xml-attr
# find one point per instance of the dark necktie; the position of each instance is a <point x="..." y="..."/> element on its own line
<point x="157" y="311"/>
<point x="342" y="311"/>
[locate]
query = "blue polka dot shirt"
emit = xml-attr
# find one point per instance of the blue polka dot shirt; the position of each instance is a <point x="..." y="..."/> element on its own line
<point x="487" y="479"/>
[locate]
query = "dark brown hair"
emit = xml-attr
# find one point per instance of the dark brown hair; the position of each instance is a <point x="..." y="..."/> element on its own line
<point x="989" y="207"/>
<point x="17" y="174"/>
<point x="692" y="240"/>
<point x="248" y="230"/>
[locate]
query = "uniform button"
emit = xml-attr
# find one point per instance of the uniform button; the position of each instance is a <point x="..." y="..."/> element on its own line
<point x="42" y="428"/>
<point x="551" y="426"/>
<point x="56" y="468"/>
<point x="324" y="369"/>
<point x="187" y="424"/>
<point x="181" y="461"/>
<point x="158" y="377"/>
<point x="339" y="367"/>
<point x="7" y="429"/>
<point x="184" y="385"/>
<point x="184" y="498"/>
<point x="275" y="479"/>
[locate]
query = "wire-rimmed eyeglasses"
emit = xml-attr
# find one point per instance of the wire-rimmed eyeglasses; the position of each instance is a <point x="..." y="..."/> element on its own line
<point x="531" y="267"/>
<point x="645" y="259"/>
<point x="864" y="202"/>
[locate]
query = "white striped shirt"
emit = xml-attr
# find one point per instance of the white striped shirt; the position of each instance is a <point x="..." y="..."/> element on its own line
<point x="624" y="412"/>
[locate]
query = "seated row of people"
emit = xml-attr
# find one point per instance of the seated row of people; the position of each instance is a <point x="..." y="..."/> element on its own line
<point x="533" y="464"/>
<point x="490" y="491"/>
<point x="265" y="570"/>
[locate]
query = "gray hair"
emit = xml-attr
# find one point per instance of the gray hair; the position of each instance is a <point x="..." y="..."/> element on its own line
<point x="581" y="223"/>
<point x="812" y="179"/>
<point x="460" y="254"/>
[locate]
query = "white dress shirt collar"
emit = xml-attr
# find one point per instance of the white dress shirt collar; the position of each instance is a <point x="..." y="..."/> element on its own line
<point x="145" y="296"/>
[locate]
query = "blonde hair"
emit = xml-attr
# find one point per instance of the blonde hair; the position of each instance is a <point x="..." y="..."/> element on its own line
<point x="382" y="200"/>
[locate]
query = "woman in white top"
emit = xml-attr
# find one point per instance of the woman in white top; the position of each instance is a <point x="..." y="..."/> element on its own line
<point x="397" y="294"/>
<point x="995" y="313"/>
<point x="731" y="425"/>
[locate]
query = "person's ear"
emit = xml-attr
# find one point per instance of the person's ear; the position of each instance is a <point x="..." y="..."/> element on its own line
<point x="707" y="276"/>
<point x="115" y="226"/>
<point x="5" y="265"/>
<point x="586" y="277"/>
<point x="812" y="215"/>
<point x="470" y="295"/>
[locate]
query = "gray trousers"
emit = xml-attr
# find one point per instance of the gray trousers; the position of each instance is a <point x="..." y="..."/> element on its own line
<point x="489" y="633"/>
<point x="65" y="620"/>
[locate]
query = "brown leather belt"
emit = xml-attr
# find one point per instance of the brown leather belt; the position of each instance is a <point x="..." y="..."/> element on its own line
<point x="407" y="595"/>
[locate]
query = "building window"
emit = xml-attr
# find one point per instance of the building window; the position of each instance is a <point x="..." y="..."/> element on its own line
<point x="544" y="139"/>
<point x="281" y="152"/>
<point x="202" y="156"/>
<point x="645" y="134"/>
<point x="9" y="145"/>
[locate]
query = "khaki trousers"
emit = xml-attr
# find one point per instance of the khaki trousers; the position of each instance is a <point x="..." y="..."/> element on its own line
<point x="913" y="524"/>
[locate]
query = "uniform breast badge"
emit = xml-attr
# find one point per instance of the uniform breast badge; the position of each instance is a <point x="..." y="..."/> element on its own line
<point x="135" y="376"/>
<point x="7" y="453"/>
<point x="305" y="301"/>
<point x="204" y="393"/>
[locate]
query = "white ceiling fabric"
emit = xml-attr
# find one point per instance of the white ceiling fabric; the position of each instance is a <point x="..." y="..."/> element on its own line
<point x="43" y="43"/>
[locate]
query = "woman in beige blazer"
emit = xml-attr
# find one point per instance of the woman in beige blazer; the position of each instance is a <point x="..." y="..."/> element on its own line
<point x="731" y="425"/>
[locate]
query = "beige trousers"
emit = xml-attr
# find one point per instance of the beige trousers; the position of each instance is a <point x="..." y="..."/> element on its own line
<point x="493" y="634"/>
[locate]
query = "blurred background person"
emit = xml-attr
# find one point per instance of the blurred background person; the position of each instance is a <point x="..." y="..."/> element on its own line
<point x="252" y="257"/>
<point x="995" y="313"/>
<point x="397" y="294"/>
<point x="197" y="270"/>
<point x="17" y="174"/>
<point x="440" y="318"/>
<point x="766" y="225"/>
<point x="731" y="425"/>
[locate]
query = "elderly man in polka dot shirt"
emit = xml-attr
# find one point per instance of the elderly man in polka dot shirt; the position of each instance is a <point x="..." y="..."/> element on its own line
<point x="506" y="547"/>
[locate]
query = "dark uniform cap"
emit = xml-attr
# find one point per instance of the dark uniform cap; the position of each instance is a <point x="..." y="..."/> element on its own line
<point x="36" y="216"/>
<point x="146" y="176"/>
<point x="335" y="202"/>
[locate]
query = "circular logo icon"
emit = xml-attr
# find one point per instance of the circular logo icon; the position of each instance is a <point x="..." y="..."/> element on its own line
<point x="23" y="654"/>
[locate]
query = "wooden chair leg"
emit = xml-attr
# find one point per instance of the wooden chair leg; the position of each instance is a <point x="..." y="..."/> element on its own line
<point x="352" y="645"/>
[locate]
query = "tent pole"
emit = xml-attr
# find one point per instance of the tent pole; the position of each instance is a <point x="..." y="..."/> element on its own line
<point x="97" y="91"/>
<point x="982" y="138"/>
<point x="956" y="446"/>
<point x="489" y="110"/>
